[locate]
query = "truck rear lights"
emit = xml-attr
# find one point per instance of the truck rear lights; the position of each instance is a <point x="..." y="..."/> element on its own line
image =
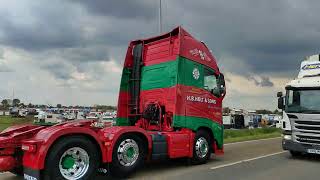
<point x="29" y="147"/>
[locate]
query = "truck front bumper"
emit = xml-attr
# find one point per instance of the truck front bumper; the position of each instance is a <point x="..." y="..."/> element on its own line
<point x="298" y="147"/>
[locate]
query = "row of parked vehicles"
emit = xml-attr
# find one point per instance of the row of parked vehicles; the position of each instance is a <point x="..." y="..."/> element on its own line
<point x="49" y="117"/>
<point x="17" y="112"/>
<point x="58" y="116"/>
<point x="251" y="120"/>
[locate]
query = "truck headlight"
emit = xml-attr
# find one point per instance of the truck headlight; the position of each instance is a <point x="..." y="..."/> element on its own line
<point x="287" y="137"/>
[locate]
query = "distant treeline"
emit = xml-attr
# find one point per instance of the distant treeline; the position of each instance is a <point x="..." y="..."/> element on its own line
<point x="5" y="104"/>
<point x="105" y="107"/>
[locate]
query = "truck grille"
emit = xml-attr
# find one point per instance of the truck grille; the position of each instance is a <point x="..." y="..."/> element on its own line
<point x="306" y="132"/>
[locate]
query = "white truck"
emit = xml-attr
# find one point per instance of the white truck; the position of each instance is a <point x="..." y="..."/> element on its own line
<point x="301" y="110"/>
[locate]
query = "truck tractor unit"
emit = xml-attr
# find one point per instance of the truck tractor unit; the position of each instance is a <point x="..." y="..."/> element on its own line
<point x="301" y="110"/>
<point x="169" y="106"/>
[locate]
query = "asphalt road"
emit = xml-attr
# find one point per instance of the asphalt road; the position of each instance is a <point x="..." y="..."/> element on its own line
<point x="263" y="160"/>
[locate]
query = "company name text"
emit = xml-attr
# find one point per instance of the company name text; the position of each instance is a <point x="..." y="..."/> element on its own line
<point x="201" y="99"/>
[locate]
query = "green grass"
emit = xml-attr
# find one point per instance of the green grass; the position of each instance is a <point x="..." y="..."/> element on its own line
<point x="233" y="135"/>
<point x="7" y="121"/>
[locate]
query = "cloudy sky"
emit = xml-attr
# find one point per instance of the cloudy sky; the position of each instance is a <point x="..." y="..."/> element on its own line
<point x="71" y="51"/>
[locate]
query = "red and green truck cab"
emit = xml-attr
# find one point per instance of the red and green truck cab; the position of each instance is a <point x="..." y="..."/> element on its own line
<point x="170" y="106"/>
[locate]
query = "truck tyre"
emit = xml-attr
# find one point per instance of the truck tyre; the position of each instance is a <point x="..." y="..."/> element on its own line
<point x="295" y="153"/>
<point x="72" y="158"/>
<point x="201" y="147"/>
<point x="127" y="156"/>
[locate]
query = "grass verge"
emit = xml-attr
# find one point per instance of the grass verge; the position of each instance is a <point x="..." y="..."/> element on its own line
<point x="238" y="135"/>
<point x="7" y="121"/>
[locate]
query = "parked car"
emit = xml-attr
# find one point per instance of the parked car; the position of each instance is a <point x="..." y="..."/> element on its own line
<point x="108" y="119"/>
<point x="14" y="111"/>
<point x="22" y="113"/>
<point x="94" y="115"/>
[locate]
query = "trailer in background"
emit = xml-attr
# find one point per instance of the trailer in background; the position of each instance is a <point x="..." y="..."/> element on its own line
<point x="257" y="120"/>
<point x="235" y="121"/>
<point x="227" y="121"/>
<point x="238" y="121"/>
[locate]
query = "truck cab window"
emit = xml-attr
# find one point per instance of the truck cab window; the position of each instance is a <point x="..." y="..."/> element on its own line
<point x="303" y="101"/>
<point x="210" y="82"/>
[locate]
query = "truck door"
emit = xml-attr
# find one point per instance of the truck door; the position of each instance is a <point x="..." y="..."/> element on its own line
<point x="211" y="85"/>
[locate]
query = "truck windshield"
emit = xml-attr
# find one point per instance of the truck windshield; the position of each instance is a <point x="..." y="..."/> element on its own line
<point x="303" y="101"/>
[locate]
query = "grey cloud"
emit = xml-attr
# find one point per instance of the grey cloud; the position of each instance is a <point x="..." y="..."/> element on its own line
<point x="1" y="53"/>
<point x="82" y="54"/>
<point x="265" y="82"/>
<point x="121" y="9"/>
<point x="38" y="37"/>
<point x="49" y="26"/>
<point x="261" y="81"/>
<point x="5" y="68"/>
<point x="269" y="36"/>
<point x="60" y="70"/>
<point x="64" y="70"/>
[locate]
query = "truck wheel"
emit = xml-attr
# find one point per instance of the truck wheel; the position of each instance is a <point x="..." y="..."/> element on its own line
<point x="127" y="156"/>
<point x="201" y="148"/>
<point x="72" y="158"/>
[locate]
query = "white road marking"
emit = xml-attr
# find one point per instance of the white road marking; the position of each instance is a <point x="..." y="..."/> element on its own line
<point x="246" y="160"/>
<point x="258" y="140"/>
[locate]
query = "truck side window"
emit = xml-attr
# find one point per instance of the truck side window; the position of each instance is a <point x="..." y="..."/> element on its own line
<point x="290" y="98"/>
<point x="210" y="82"/>
<point x="293" y="98"/>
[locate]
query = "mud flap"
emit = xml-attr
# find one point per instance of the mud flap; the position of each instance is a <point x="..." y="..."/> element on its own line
<point x="31" y="174"/>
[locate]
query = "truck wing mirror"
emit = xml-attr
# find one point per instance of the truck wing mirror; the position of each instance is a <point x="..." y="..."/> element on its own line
<point x="280" y="103"/>
<point x="279" y="94"/>
<point x="222" y="84"/>
<point x="215" y="92"/>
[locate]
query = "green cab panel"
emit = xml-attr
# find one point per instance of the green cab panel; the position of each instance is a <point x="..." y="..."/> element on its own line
<point x="168" y="74"/>
<point x="161" y="75"/>
<point x="124" y="84"/>
<point x="190" y="73"/>
<point x="122" y="121"/>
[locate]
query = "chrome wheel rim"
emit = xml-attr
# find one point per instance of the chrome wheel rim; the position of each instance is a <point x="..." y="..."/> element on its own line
<point x="128" y="152"/>
<point x="202" y="147"/>
<point x="74" y="163"/>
